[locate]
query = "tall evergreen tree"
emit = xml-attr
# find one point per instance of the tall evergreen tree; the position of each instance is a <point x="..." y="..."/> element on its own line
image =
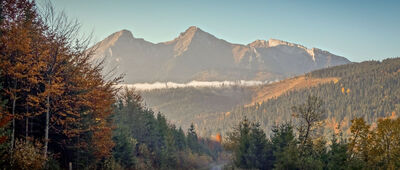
<point x="124" y="151"/>
<point x="259" y="152"/>
<point x="337" y="155"/>
<point x="241" y="154"/>
<point x="192" y="139"/>
<point x="284" y="147"/>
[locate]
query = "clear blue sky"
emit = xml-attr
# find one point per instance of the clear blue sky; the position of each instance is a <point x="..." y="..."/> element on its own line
<point x="359" y="30"/>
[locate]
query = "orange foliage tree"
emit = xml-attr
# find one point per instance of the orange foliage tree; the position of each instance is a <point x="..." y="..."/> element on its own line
<point x="50" y="79"/>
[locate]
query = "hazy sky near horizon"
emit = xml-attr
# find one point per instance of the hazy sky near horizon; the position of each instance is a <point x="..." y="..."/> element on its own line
<point x="357" y="29"/>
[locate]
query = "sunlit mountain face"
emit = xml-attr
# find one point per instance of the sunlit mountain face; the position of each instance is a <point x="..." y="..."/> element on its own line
<point x="198" y="55"/>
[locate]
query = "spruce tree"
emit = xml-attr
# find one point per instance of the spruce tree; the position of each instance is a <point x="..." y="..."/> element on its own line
<point x="258" y="153"/>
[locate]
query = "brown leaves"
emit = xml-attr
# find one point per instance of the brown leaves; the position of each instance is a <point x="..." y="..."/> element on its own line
<point x="40" y="59"/>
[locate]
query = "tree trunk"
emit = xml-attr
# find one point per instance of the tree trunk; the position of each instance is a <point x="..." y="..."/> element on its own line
<point x="26" y="127"/>
<point x="46" y="134"/>
<point x="13" y="117"/>
<point x="26" y="122"/>
<point x="307" y="133"/>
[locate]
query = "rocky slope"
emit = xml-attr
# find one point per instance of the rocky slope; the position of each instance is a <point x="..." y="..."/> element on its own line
<point x="198" y="55"/>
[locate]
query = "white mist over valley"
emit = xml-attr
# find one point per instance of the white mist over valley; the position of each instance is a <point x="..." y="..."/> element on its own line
<point x="214" y="84"/>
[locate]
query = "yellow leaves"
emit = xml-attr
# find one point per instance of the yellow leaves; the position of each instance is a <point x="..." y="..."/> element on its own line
<point x="344" y="91"/>
<point x="28" y="155"/>
<point x="378" y="144"/>
<point x="332" y="124"/>
<point x="385" y="145"/>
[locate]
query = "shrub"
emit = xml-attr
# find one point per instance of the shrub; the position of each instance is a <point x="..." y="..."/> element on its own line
<point x="28" y="155"/>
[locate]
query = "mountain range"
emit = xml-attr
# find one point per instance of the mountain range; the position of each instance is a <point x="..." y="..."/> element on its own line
<point x="198" y="55"/>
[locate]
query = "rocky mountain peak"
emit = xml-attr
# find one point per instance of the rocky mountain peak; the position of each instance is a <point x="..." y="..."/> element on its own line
<point x="198" y="55"/>
<point x="259" y="44"/>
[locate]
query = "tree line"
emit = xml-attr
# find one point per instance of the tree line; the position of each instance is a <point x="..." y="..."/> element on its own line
<point x="368" y="89"/>
<point x="146" y="140"/>
<point x="300" y="145"/>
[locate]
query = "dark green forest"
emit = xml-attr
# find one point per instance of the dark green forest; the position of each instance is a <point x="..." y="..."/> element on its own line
<point x="301" y="146"/>
<point x="370" y="90"/>
<point x="146" y="140"/>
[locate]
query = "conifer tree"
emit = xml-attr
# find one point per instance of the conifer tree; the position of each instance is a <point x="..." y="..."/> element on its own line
<point x="337" y="155"/>
<point x="258" y="149"/>
<point x="192" y="139"/>
<point x="284" y="147"/>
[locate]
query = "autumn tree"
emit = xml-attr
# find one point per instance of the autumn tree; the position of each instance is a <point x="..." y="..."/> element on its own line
<point x="309" y="114"/>
<point x="27" y="155"/>
<point x="49" y="69"/>
<point x="4" y="122"/>
<point x="359" y="139"/>
<point x="375" y="147"/>
<point x="57" y="95"/>
<point x="385" y="144"/>
<point x="20" y="34"/>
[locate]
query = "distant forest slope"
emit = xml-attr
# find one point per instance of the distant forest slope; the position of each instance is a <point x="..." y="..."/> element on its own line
<point x="269" y="91"/>
<point x="186" y="105"/>
<point x="192" y="104"/>
<point x="369" y="89"/>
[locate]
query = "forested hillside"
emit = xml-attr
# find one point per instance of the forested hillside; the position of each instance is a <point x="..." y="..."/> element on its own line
<point x="369" y="90"/>
<point x="300" y="145"/>
<point x="190" y="104"/>
<point x="145" y="140"/>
